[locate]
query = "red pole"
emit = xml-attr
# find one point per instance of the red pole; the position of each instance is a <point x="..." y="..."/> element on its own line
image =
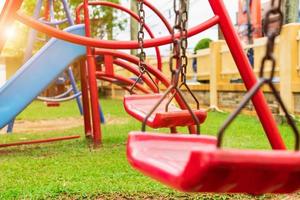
<point x="86" y="41"/>
<point x="247" y="74"/>
<point x="85" y="99"/>
<point x="92" y="81"/>
<point x="40" y="141"/>
<point x="47" y="10"/>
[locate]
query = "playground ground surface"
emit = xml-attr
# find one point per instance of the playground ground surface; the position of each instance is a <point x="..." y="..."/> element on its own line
<point x="71" y="170"/>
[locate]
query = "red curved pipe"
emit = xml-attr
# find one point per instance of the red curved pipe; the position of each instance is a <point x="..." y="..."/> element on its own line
<point x="132" y="14"/>
<point x="136" y="72"/>
<point x="124" y="80"/>
<point x="110" y="80"/>
<point x="158" y="74"/>
<point x="133" y="59"/>
<point x="86" y="41"/>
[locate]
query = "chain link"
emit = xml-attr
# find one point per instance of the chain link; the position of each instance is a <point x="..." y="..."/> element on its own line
<point x="179" y="45"/>
<point x="176" y="42"/>
<point x="141" y="37"/>
<point x="271" y="33"/>
<point x="184" y="40"/>
<point x="142" y="54"/>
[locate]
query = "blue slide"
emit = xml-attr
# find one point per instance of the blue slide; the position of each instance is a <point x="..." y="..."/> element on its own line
<point x="37" y="73"/>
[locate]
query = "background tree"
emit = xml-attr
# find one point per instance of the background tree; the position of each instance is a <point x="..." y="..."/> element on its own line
<point x="133" y="25"/>
<point x="202" y="44"/>
<point x="290" y="9"/>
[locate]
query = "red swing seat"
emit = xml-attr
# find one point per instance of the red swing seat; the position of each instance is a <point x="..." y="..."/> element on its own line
<point x="138" y="106"/>
<point x="194" y="164"/>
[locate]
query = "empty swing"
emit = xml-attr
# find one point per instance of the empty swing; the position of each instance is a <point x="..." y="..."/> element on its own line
<point x="163" y="114"/>
<point x="199" y="164"/>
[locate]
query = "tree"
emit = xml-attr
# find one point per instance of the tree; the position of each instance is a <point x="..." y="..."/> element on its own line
<point x="291" y="10"/>
<point x="202" y="44"/>
<point x="133" y="25"/>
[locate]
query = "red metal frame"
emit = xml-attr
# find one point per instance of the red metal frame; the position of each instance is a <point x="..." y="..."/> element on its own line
<point x="132" y="14"/>
<point x="85" y="41"/>
<point x="40" y="141"/>
<point x="112" y="78"/>
<point x="85" y="99"/>
<point x="221" y="17"/>
<point x="93" y="88"/>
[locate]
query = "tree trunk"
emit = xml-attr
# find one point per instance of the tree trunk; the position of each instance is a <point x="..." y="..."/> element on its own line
<point x="133" y="25"/>
<point x="110" y="15"/>
<point x="291" y="9"/>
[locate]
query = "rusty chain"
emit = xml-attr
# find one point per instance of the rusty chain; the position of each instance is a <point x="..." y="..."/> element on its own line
<point x="271" y="34"/>
<point x="141" y="37"/>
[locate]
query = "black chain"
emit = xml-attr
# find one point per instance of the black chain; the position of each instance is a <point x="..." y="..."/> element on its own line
<point x="180" y="59"/>
<point x="141" y="37"/>
<point x="183" y="40"/>
<point x="176" y="44"/>
<point x="142" y="54"/>
<point x="271" y="33"/>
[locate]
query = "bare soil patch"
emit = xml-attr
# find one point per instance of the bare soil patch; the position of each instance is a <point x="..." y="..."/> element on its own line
<point x="24" y="126"/>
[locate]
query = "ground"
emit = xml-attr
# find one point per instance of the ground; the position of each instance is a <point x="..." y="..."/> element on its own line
<point x="72" y="170"/>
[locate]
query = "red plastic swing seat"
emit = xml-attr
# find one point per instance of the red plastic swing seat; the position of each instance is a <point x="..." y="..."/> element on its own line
<point x="138" y="106"/>
<point x="194" y="164"/>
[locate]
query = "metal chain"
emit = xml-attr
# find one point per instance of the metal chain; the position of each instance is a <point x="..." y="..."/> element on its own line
<point x="142" y="54"/>
<point x="141" y="36"/>
<point x="179" y="57"/>
<point x="271" y="34"/>
<point x="184" y="40"/>
<point x="176" y="44"/>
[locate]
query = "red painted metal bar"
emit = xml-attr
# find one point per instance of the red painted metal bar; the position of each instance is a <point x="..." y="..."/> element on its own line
<point x="247" y="74"/>
<point x="85" y="99"/>
<point x="47" y="11"/>
<point x="110" y="80"/>
<point x="123" y="80"/>
<point x="109" y="66"/>
<point x="92" y="82"/>
<point x="40" y="141"/>
<point x="132" y="14"/>
<point x="86" y="41"/>
<point x="135" y="71"/>
<point x="7" y="17"/>
<point x="133" y="59"/>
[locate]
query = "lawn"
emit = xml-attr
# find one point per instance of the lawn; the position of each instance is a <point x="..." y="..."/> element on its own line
<point x="72" y="170"/>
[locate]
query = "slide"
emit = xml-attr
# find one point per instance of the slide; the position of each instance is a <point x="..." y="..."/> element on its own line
<point x="37" y="73"/>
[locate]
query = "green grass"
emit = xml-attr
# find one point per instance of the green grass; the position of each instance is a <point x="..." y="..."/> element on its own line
<point x="72" y="170"/>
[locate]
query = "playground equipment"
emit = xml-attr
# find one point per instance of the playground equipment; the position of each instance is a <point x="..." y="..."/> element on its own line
<point x="198" y="163"/>
<point x="186" y="162"/>
<point x="89" y="86"/>
<point x="49" y="18"/>
<point x="165" y="114"/>
<point x="47" y="64"/>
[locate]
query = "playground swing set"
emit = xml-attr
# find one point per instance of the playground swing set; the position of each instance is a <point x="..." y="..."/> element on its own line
<point x="191" y="163"/>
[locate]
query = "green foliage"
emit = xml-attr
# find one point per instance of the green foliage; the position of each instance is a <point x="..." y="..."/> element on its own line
<point x="202" y="44"/>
